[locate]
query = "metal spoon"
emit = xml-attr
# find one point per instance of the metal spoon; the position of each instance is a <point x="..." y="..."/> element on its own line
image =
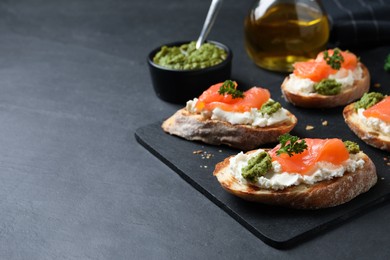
<point x="209" y="22"/>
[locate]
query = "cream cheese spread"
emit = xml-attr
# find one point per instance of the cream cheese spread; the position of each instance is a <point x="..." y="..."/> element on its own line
<point x="345" y="77"/>
<point x="374" y="123"/>
<point x="277" y="180"/>
<point x="253" y="117"/>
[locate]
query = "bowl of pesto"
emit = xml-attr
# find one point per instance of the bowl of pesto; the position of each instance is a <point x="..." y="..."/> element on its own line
<point x="181" y="72"/>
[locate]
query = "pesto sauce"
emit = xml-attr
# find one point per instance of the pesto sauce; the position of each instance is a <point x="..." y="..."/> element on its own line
<point x="352" y="147"/>
<point x="270" y="107"/>
<point x="327" y="87"/>
<point x="257" y="166"/>
<point x="368" y="100"/>
<point x="187" y="57"/>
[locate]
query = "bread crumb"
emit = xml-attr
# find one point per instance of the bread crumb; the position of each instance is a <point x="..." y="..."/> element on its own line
<point x="325" y="123"/>
<point x="377" y="85"/>
<point x="309" y="127"/>
<point x="206" y="155"/>
<point x="203" y="154"/>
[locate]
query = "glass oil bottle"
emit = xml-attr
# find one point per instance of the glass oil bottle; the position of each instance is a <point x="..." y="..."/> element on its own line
<point x="281" y="32"/>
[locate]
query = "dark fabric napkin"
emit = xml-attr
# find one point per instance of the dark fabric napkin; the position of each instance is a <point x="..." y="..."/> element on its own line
<point x="360" y="23"/>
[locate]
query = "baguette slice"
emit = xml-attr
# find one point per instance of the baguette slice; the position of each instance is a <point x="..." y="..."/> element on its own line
<point x="195" y="127"/>
<point x="322" y="194"/>
<point x="367" y="134"/>
<point x="315" y="100"/>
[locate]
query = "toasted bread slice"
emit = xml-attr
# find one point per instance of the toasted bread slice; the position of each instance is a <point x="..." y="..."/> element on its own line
<point x="196" y="127"/>
<point x="364" y="132"/>
<point x="314" y="100"/>
<point x="322" y="194"/>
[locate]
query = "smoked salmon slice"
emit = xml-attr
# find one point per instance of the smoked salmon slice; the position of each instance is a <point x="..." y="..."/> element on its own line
<point x="318" y="150"/>
<point x="350" y="60"/>
<point x="318" y="69"/>
<point x="380" y="110"/>
<point x="212" y="95"/>
<point x="211" y="99"/>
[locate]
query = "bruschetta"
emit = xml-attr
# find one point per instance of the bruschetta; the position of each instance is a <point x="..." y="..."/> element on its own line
<point x="335" y="78"/>
<point x="325" y="173"/>
<point x="369" y="119"/>
<point x="223" y="115"/>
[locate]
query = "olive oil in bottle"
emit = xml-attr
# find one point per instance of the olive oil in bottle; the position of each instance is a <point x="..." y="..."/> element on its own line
<point x="281" y="32"/>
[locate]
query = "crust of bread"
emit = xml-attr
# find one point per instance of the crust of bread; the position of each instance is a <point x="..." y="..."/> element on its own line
<point x="324" y="194"/>
<point x="365" y="133"/>
<point x="315" y="100"/>
<point x="196" y="127"/>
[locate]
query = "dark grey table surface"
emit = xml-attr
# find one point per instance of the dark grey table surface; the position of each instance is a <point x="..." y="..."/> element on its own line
<point x="75" y="184"/>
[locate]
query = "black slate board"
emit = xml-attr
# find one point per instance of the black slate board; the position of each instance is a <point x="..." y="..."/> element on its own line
<point x="276" y="226"/>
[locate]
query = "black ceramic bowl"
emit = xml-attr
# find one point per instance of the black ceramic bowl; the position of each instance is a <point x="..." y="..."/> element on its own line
<point x="179" y="86"/>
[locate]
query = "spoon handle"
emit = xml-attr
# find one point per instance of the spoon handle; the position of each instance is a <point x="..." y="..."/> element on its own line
<point x="208" y="23"/>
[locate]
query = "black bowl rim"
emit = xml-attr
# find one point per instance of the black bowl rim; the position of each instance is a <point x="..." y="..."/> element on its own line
<point x="221" y="64"/>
